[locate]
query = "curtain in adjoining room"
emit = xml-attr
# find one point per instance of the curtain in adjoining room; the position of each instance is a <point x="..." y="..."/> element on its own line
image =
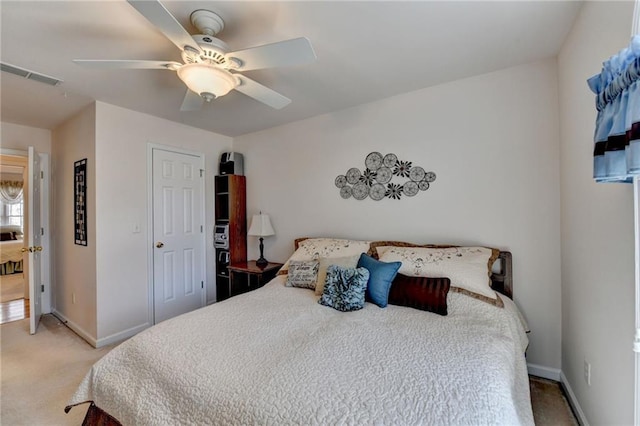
<point x="616" y="157"/>
<point x="11" y="191"/>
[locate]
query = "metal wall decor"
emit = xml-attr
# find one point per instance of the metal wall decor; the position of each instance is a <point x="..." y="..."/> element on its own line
<point x="80" y="201"/>
<point x="375" y="180"/>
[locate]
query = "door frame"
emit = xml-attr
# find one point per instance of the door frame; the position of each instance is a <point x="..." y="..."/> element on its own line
<point x="150" y="241"/>
<point x="45" y="222"/>
<point x="635" y="29"/>
<point x="636" y="341"/>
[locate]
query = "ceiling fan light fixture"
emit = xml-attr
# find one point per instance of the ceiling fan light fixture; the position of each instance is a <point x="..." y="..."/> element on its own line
<point x="208" y="61"/>
<point x="207" y="80"/>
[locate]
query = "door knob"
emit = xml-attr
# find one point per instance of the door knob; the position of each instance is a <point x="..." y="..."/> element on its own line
<point x="31" y="249"/>
<point x="159" y="244"/>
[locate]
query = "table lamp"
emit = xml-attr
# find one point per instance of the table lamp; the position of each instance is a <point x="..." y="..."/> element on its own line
<point x="261" y="227"/>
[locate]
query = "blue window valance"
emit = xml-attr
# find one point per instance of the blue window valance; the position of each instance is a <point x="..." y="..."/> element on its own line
<point x="616" y="156"/>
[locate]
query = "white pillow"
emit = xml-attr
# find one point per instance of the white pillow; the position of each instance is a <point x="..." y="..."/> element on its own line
<point x="344" y="262"/>
<point x="316" y="248"/>
<point x="468" y="268"/>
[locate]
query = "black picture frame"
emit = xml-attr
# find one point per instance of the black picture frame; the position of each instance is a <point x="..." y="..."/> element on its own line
<point x="80" y="201"/>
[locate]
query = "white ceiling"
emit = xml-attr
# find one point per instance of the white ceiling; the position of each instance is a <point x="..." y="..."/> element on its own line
<point x="367" y="50"/>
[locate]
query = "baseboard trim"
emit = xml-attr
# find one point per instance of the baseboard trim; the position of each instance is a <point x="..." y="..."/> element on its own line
<point x="573" y="401"/>
<point x="122" y="335"/>
<point x="75" y="328"/>
<point x="544" y="372"/>
<point x="98" y="343"/>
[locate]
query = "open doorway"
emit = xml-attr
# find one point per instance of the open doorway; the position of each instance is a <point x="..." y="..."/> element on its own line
<point x="36" y="235"/>
<point x="14" y="291"/>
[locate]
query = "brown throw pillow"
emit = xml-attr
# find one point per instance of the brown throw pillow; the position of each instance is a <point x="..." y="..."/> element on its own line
<point x="424" y="293"/>
<point x="7" y="236"/>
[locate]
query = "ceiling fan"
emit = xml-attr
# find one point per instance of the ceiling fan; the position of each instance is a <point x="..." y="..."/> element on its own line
<point x="210" y="69"/>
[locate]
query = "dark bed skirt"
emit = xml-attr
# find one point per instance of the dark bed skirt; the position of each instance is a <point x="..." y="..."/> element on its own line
<point x="9" y="268"/>
<point x="96" y="417"/>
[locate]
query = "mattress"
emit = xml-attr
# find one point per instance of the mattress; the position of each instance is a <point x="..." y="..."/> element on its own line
<point x="276" y="356"/>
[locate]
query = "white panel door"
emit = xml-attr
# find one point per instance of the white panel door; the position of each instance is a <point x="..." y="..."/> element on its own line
<point x="178" y="234"/>
<point x="34" y="241"/>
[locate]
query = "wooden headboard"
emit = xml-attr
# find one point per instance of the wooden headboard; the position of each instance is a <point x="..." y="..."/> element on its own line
<point x="501" y="279"/>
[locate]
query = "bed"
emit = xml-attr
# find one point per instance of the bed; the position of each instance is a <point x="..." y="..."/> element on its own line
<point x="11" y="245"/>
<point x="278" y="356"/>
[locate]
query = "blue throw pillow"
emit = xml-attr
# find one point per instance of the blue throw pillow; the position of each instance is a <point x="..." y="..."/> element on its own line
<point x="381" y="275"/>
<point x="344" y="288"/>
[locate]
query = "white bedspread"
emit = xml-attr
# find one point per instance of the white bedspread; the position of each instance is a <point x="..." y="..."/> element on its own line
<point x="274" y="357"/>
<point x="11" y="251"/>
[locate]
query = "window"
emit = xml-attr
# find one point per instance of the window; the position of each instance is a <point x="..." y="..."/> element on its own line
<point x="12" y="214"/>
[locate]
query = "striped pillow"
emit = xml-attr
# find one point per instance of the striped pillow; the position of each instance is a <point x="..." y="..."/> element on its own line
<point x="424" y="293"/>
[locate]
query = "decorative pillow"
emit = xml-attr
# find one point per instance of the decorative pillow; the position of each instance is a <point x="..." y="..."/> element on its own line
<point x="7" y="236"/>
<point x="345" y="262"/>
<point x="302" y="274"/>
<point x="424" y="293"/>
<point x="468" y="268"/>
<point x="11" y="228"/>
<point x="316" y="248"/>
<point x="381" y="274"/>
<point x="344" y="288"/>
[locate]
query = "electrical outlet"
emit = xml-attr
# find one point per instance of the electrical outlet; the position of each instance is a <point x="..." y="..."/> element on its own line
<point x="73" y="298"/>
<point x="587" y="372"/>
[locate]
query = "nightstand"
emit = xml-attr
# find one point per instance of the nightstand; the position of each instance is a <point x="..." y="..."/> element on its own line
<point x="247" y="276"/>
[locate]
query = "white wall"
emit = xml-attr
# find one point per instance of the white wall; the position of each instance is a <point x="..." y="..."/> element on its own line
<point x="74" y="266"/>
<point x="122" y="137"/>
<point x="493" y="142"/>
<point x="16" y="136"/>
<point x="597" y="230"/>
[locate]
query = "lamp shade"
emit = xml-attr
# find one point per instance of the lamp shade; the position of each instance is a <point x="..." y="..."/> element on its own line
<point x="261" y="226"/>
<point x="207" y="79"/>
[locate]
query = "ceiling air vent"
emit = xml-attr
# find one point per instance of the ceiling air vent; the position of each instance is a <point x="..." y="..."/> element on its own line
<point x="30" y="75"/>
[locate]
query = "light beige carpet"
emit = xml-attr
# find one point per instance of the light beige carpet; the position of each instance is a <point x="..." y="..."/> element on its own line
<point x="550" y="406"/>
<point x="11" y="287"/>
<point x="39" y="373"/>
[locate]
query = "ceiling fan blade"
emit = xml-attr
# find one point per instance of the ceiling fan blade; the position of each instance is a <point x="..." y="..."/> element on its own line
<point x="261" y="93"/>
<point x="159" y="16"/>
<point x="192" y="101"/>
<point x="283" y="53"/>
<point x="127" y="64"/>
